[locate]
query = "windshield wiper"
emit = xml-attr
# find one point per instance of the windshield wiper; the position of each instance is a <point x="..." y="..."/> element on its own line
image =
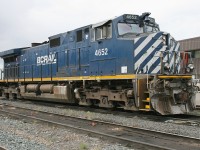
<point x="131" y="33"/>
<point x="127" y="33"/>
<point x="138" y="34"/>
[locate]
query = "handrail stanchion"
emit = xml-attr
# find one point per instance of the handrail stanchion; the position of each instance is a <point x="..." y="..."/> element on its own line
<point x="41" y="71"/>
<point x="24" y="73"/>
<point x="51" y="71"/>
<point x="32" y="71"/>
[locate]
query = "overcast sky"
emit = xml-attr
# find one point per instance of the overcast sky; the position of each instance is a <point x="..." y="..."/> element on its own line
<point x="25" y="21"/>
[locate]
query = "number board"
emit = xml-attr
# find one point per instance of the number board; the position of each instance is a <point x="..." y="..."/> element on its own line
<point x="131" y="17"/>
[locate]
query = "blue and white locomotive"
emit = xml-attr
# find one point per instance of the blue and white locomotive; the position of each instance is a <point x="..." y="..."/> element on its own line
<point x="124" y="62"/>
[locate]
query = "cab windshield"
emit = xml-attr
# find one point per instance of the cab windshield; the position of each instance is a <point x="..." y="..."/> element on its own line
<point x="151" y="28"/>
<point x="134" y="29"/>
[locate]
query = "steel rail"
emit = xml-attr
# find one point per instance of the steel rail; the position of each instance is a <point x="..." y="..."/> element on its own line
<point x="113" y="137"/>
<point x="154" y="134"/>
<point x="109" y="123"/>
<point x="171" y="119"/>
<point x="2" y="148"/>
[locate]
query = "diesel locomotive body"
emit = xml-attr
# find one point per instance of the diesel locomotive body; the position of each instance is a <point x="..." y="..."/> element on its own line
<point x="124" y="62"/>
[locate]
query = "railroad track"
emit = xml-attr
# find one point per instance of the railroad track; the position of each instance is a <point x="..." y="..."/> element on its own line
<point x="189" y="120"/>
<point x="131" y="136"/>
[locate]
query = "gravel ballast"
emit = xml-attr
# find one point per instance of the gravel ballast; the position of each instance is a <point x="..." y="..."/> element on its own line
<point x="191" y="131"/>
<point x="19" y="135"/>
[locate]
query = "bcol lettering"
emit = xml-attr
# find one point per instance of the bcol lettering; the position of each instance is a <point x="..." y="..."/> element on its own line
<point x="47" y="59"/>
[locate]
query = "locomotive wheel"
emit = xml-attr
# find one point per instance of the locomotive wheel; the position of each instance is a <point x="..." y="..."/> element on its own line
<point x="85" y="102"/>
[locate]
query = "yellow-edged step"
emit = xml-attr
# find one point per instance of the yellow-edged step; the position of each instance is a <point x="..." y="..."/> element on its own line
<point x="147" y="106"/>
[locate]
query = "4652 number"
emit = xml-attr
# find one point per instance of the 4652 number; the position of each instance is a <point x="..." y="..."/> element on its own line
<point x="101" y="52"/>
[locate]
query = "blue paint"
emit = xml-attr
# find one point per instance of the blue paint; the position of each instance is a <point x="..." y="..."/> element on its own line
<point x="79" y="55"/>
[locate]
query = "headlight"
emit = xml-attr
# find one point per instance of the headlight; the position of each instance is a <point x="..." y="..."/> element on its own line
<point x="166" y="67"/>
<point x="164" y="39"/>
<point x="190" y="68"/>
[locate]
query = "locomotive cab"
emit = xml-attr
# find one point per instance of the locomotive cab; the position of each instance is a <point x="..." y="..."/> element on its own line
<point x="134" y="26"/>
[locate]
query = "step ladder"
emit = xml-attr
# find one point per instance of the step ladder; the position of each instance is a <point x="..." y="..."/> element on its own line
<point x="145" y="103"/>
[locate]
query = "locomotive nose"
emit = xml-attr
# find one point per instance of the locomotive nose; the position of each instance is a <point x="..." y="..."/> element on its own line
<point x="155" y="53"/>
<point x="170" y="61"/>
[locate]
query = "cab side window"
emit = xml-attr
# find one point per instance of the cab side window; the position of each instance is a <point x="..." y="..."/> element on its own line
<point x="101" y="32"/>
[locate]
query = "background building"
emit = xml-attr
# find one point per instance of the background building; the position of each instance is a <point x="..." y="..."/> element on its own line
<point x="192" y="45"/>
